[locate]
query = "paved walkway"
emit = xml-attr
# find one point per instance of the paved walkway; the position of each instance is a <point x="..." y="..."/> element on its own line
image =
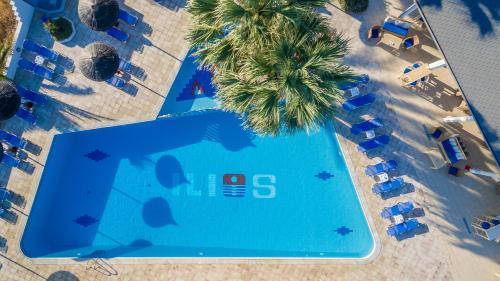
<point x="447" y="252"/>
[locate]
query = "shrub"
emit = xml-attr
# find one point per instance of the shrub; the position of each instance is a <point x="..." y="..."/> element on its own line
<point x="355" y="6"/>
<point x="4" y="52"/>
<point x="59" y="28"/>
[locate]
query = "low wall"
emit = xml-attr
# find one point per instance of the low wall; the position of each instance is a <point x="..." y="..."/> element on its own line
<point x="24" y="14"/>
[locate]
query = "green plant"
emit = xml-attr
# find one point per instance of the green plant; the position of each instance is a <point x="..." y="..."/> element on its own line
<point x="59" y="28"/>
<point x="4" y="51"/>
<point x="355" y="6"/>
<point x="277" y="63"/>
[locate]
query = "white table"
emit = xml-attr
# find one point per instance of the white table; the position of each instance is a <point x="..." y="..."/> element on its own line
<point x="370" y="134"/>
<point x="381" y="178"/>
<point x="39" y="60"/>
<point x="398" y="219"/>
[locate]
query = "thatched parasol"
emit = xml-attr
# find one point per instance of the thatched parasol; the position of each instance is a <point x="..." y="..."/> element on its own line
<point x="99" y="14"/>
<point x="100" y="62"/>
<point x="10" y="101"/>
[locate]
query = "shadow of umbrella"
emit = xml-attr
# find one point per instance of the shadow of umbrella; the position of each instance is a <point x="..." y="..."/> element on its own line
<point x="157" y="213"/>
<point x="169" y="172"/>
<point x="62" y="275"/>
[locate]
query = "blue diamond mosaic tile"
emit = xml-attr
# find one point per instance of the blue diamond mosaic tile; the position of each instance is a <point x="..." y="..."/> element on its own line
<point x="324" y="175"/>
<point x="97" y="155"/>
<point x="85" y="220"/>
<point x="343" y="230"/>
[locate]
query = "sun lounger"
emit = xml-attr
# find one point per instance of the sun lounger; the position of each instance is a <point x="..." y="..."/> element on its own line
<point x="31" y="95"/>
<point x="26" y="115"/>
<point x="373" y="143"/>
<point x="125" y="66"/>
<point x="367" y="125"/>
<point x="119" y="35"/>
<point x="399" y="209"/>
<point x="391" y="185"/>
<point x="402" y="228"/>
<point x="10" y="161"/>
<point x="357" y="81"/>
<point x="12" y="139"/>
<point x="117" y="82"/>
<point x="380" y="168"/>
<point x="358" y="101"/>
<point x="4" y="194"/>
<point x="36" y="69"/>
<point x="40" y="50"/>
<point x="127" y="17"/>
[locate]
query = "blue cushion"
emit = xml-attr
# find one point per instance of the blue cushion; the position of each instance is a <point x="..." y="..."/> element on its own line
<point x="375" y="33"/>
<point x="453" y="171"/>
<point x="395" y="29"/>
<point x="408" y="43"/>
<point x="436" y="134"/>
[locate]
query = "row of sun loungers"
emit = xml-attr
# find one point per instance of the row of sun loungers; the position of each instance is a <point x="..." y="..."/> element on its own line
<point x="380" y="171"/>
<point x="127" y="18"/>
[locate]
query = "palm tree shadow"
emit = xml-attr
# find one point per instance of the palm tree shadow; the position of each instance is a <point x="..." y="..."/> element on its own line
<point x="174" y="5"/>
<point x="63" y="117"/>
<point x="68" y="88"/>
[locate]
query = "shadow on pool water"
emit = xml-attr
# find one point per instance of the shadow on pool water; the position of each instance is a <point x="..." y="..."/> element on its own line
<point x="157" y="213"/>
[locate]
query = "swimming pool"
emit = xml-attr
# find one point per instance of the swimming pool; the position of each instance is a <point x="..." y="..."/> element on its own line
<point x="195" y="185"/>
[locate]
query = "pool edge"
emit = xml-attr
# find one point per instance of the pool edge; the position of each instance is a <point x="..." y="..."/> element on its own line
<point x="371" y="256"/>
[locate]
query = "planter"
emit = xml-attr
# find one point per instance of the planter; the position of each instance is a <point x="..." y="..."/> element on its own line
<point x="72" y="33"/>
<point x="355" y="6"/>
<point x="60" y="28"/>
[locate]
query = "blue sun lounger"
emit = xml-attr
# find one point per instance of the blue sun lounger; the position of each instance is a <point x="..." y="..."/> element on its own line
<point x="382" y="167"/>
<point x="26" y="115"/>
<point x="125" y="66"/>
<point x="10" y="161"/>
<point x="399" y="209"/>
<point x="40" y="50"/>
<point x="116" y="82"/>
<point x="388" y="186"/>
<point x="12" y="139"/>
<point x="358" y="80"/>
<point x="127" y="17"/>
<point x="119" y="35"/>
<point x="358" y="101"/>
<point x="373" y="143"/>
<point x="366" y="126"/>
<point x="31" y="95"/>
<point x="402" y="228"/>
<point x="4" y="194"/>
<point x="36" y="69"/>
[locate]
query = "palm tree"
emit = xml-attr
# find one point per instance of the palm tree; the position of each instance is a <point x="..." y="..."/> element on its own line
<point x="277" y="62"/>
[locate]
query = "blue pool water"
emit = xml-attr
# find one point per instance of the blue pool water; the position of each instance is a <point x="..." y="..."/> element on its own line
<point x="195" y="185"/>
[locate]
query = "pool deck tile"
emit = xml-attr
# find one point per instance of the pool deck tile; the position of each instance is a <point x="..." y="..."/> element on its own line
<point x="447" y="252"/>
